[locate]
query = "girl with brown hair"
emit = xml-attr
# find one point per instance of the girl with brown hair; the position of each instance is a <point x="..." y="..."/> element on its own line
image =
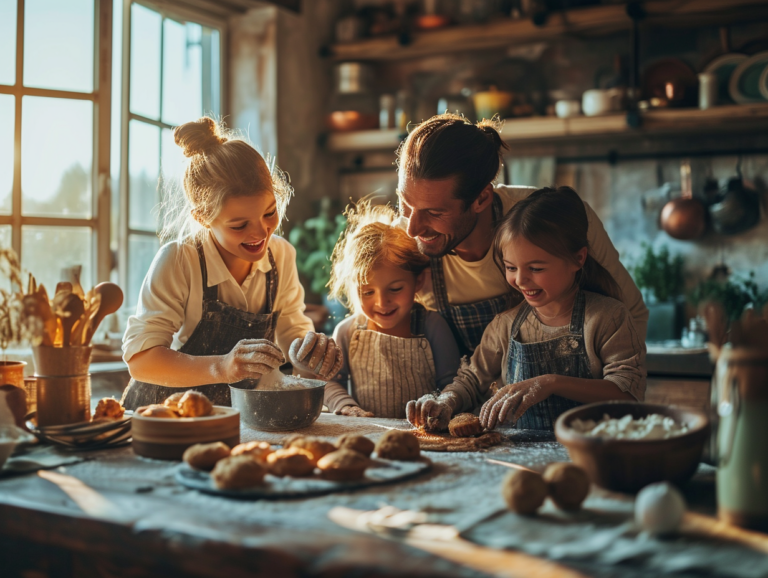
<point x="221" y="301"/>
<point x="570" y="341"/>
<point x="394" y="350"/>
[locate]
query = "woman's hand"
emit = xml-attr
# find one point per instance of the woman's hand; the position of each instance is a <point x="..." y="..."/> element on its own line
<point x="514" y="399"/>
<point x="316" y="353"/>
<point x="354" y="411"/>
<point x="250" y="359"/>
<point x="430" y="412"/>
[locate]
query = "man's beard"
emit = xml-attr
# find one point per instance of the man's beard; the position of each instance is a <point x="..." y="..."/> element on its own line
<point x="451" y="241"/>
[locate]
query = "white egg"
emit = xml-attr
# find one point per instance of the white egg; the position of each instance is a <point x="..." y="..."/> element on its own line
<point x="659" y="508"/>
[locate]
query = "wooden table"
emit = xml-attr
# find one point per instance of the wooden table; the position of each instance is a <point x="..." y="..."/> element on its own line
<point x="119" y="515"/>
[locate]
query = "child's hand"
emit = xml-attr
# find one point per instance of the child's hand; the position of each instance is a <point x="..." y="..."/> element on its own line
<point x="250" y="359"/>
<point x="354" y="411"/>
<point x="316" y="353"/>
<point x="515" y="398"/>
<point x="430" y="412"/>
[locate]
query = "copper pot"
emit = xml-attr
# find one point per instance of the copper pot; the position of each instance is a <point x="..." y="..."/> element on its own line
<point x="684" y="218"/>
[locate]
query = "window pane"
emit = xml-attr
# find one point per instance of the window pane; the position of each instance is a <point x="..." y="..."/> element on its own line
<point x="213" y="91"/>
<point x="5" y="243"/>
<point x="56" y="157"/>
<point x="45" y="251"/>
<point x="182" y="72"/>
<point x="8" y="41"/>
<point x="144" y="172"/>
<point x="7" y="116"/>
<point x="58" y="44"/>
<point x="145" y="62"/>
<point x="172" y="163"/>
<point x="141" y="251"/>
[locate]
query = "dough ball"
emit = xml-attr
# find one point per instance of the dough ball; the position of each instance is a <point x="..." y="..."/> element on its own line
<point x="205" y="456"/>
<point x="256" y="450"/>
<point x="659" y="508"/>
<point x="316" y="447"/>
<point x="465" y="425"/>
<point x="157" y="410"/>
<point x="360" y="444"/>
<point x="237" y="473"/>
<point x="109" y="408"/>
<point x="172" y="402"/>
<point x="343" y="465"/>
<point x="398" y="445"/>
<point x="524" y="491"/>
<point x="568" y="485"/>
<point x="194" y="404"/>
<point x="290" y="462"/>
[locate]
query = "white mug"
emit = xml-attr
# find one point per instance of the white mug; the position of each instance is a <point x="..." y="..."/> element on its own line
<point x="567" y="108"/>
<point x="600" y="101"/>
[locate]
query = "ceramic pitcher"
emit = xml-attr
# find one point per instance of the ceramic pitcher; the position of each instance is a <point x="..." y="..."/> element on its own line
<point x="741" y="383"/>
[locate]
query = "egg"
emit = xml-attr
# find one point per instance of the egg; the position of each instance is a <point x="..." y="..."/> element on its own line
<point x="659" y="508"/>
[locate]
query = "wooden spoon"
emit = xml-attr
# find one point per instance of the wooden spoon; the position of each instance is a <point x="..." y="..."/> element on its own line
<point x="75" y="308"/>
<point x="111" y="300"/>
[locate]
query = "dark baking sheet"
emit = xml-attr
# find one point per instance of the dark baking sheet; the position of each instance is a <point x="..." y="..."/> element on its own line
<point x="380" y="472"/>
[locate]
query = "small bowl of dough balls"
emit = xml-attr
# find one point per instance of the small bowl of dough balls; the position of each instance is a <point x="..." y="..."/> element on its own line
<point x="624" y="446"/>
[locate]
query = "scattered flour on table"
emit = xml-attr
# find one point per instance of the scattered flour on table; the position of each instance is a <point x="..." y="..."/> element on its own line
<point x="651" y="427"/>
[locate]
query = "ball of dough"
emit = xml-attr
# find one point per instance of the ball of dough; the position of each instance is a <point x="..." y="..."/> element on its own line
<point x="465" y="425"/>
<point x="256" y="450"/>
<point x="524" y="491"/>
<point x="357" y="443"/>
<point x="659" y="508"/>
<point x="157" y="410"/>
<point x="109" y="408"/>
<point x="316" y="447"/>
<point x="194" y="404"/>
<point x="568" y="485"/>
<point x="172" y="402"/>
<point x="205" y="456"/>
<point x="343" y="465"/>
<point x="398" y="445"/>
<point x="237" y="473"/>
<point x="290" y="462"/>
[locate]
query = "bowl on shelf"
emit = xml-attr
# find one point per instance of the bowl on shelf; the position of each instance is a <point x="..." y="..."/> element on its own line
<point x="167" y="438"/>
<point x="279" y="409"/>
<point x="352" y="120"/>
<point x="629" y="465"/>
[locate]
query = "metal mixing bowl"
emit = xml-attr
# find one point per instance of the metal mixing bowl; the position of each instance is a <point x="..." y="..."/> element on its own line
<point x="279" y="410"/>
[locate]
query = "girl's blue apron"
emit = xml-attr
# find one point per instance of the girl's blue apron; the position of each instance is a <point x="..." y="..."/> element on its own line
<point x="564" y="355"/>
<point x="468" y="321"/>
<point x="220" y="328"/>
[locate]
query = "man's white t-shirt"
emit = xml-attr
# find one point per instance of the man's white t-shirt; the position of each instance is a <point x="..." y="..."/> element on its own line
<point x="473" y="281"/>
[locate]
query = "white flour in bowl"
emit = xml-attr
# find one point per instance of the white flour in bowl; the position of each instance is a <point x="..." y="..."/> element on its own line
<point x="650" y="427"/>
<point x="275" y="380"/>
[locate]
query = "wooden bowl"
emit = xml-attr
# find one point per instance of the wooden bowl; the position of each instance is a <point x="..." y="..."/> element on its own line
<point x="167" y="438"/>
<point x="629" y="465"/>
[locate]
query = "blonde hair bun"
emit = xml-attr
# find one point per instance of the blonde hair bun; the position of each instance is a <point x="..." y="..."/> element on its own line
<point x="199" y="136"/>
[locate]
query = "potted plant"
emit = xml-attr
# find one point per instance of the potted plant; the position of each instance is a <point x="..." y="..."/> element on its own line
<point x="734" y="294"/>
<point x="659" y="276"/>
<point x="14" y="326"/>
<point x="314" y="240"/>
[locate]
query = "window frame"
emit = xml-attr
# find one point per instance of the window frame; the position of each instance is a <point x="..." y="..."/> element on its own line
<point x="176" y="12"/>
<point x="101" y="97"/>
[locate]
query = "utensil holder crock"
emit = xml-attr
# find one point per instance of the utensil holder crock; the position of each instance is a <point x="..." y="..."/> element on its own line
<point x="63" y="384"/>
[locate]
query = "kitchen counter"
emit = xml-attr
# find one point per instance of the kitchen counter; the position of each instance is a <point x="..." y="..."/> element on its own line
<point x="116" y="513"/>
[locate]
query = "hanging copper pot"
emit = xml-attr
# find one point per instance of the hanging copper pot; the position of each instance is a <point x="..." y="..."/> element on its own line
<point x="684" y="218"/>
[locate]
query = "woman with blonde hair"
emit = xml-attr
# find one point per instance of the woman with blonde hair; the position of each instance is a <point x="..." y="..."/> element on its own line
<point x="221" y="301"/>
<point x="393" y="348"/>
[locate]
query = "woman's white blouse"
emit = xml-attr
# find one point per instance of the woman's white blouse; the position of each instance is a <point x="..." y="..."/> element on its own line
<point x="171" y="299"/>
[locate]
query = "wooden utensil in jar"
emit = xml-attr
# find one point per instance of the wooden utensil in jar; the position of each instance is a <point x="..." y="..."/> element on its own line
<point x="74" y="307"/>
<point x="111" y="299"/>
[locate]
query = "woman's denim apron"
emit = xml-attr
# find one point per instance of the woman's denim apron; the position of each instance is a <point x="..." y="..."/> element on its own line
<point x="220" y="328"/>
<point x="564" y="355"/>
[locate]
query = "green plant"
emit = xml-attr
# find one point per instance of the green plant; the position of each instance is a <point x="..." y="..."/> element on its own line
<point x="314" y="240"/>
<point x="660" y="274"/>
<point x="735" y="295"/>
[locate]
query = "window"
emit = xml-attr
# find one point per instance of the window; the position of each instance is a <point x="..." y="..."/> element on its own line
<point x="173" y="65"/>
<point x="53" y="102"/>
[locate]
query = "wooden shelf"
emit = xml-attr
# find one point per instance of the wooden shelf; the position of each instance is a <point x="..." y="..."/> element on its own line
<point x="597" y="20"/>
<point x="721" y="119"/>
